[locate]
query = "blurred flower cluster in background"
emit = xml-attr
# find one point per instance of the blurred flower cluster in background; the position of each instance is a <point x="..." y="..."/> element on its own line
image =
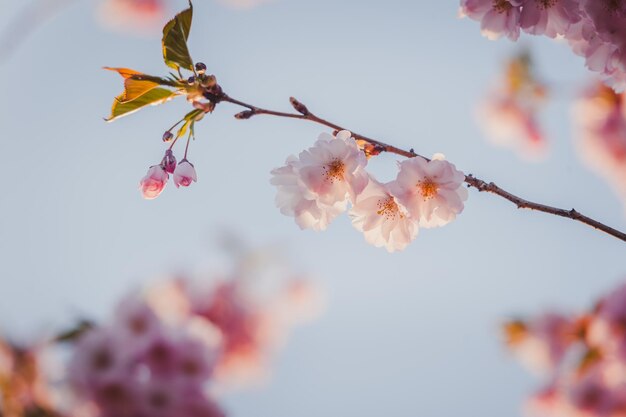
<point x="168" y="350"/>
<point x="582" y="356"/>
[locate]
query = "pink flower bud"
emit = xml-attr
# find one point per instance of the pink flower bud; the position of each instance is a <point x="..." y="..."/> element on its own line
<point x="169" y="161"/>
<point x="184" y="174"/>
<point x="154" y="182"/>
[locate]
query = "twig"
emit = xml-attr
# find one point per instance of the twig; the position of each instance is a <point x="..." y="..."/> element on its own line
<point x="472" y="181"/>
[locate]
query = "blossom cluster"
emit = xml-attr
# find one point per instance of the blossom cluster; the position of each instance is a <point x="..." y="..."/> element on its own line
<point x="508" y="114"/>
<point x="594" y="29"/>
<point x="583" y="356"/>
<point x="319" y="184"/>
<point x="169" y="348"/>
<point x="167" y="351"/>
<point x="600" y="119"/>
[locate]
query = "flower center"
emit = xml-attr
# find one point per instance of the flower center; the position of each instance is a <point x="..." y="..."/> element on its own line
<point x="546" y="4"/>
<point x="388" y="208"/>
<point x="335" y="170"/>
<point x="428" y="188"/>
<point x="501" y="6"/>
<point x="612" y="5"/>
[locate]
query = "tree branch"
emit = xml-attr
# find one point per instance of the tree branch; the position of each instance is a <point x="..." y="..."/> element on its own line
<point x="470" y="180"/>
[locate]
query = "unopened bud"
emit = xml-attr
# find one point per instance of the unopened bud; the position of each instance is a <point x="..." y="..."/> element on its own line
<point x="191" y="80"/>
<point x="167" y="136"/>
<point x="208" y="81"/>
<point x="300" y="108"/>
<point x="200" y="68"/>
<point x="246" y="114"/>
<point x="169" y="161"/>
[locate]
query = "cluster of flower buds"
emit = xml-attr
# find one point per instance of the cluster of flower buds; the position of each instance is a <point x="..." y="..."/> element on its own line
<point x="196" y="90"/>
<point x="583" y="355"/>
<point x="321" y="182"/>
<point x="600" y="118"/>
<point x="509" y="112"/>
<point x="184" y="173"/>
<point x="595" y="29"/>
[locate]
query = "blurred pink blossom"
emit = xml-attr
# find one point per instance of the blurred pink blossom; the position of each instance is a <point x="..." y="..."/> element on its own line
<point x="138" y="16"/>
<point x="509" y="113"/>
<point x="600" y="120"/>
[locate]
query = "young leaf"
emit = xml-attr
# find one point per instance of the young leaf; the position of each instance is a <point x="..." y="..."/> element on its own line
<point x="153" y="97"/>
<point x="175" y="35"/>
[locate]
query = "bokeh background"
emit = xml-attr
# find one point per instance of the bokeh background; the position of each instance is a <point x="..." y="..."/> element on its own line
<point x="406" y="334"/>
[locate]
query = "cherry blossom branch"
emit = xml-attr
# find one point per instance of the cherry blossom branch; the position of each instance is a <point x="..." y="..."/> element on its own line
<point x="470" y="180"/>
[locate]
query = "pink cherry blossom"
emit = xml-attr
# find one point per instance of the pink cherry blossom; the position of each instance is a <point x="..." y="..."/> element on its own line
<point x="549" y="17"/>
<point x="431" y="191"/>
<point x="141" y="16"/>
<point x="607" y="329"/>
<point x="154" y="182"/>
<point x="498" y="17"/>
<point x="185" y="174"/>
<point x="541" y="343"/>
<point x="383" y="221"/>
<point x="507" y="122"/>
<point x="316" y="186"/>
<point x="600" y="119"/>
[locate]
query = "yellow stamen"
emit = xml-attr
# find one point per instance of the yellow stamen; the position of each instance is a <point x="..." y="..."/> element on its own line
<point x="335" y="170"/>
<point x="388" y="208"/>
<point x="428" y="188"/>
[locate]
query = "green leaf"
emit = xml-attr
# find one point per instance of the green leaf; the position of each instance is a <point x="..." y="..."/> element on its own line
<point x="175" y="35"/>
<point x="190" y="120"/>
<point x="153" y="97"/>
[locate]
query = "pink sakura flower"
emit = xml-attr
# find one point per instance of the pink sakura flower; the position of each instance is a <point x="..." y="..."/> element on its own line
<point x="498" y="17"/>
<point x="383" y="221"/>
<point x="142" y="16"/>
<point x="316" y="186"/>
<point x="609" y="19"/>
<point x="549" y="17"/>
<point x="507" y="121"/>
<point x="549" y="401"/>
<point x="431" y="191"/>
<point x="185" y="174"/>
<point x="607" y="329"/>
<point x="541" y="344"/>
<point x="600" y="117"/>
<point x="590" y="396"/>
<point x="154" y="182"/>
<point x="135" y="321"/>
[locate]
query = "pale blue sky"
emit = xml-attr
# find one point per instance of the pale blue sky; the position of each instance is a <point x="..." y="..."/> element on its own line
<point x="407" y="334"/>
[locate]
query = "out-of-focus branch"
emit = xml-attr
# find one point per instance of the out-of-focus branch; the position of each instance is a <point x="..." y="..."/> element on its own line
<point x="471" y="180"/>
